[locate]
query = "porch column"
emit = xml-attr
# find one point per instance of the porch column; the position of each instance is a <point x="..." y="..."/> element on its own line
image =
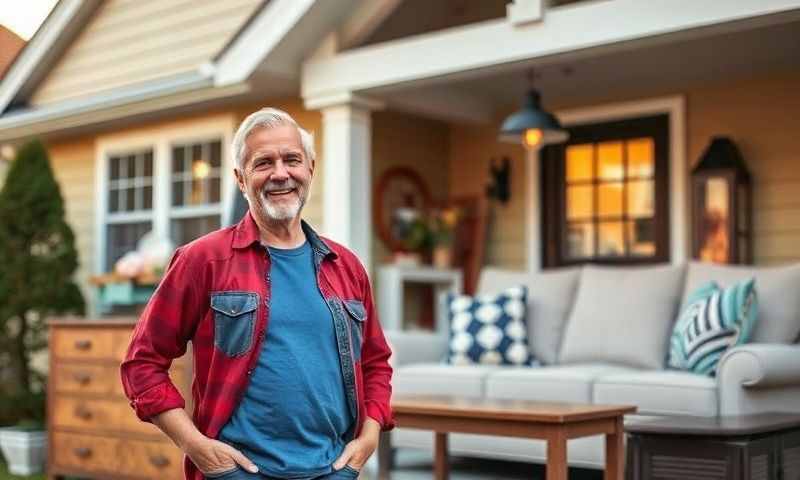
<point x="533" y="211"/>
<point x="347" y="178"/>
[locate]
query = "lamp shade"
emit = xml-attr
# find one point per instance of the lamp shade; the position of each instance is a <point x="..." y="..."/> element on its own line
<point x="532" y="126"/>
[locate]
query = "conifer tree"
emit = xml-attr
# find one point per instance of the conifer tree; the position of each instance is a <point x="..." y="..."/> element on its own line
<point x="37" y="262"/>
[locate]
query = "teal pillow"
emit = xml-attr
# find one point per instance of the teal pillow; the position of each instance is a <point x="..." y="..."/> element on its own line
<point x="714" y="320"/>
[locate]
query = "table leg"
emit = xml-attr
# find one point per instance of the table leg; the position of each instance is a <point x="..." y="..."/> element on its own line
<point x="615" y="452"/>
<point x="441" y="464"/>
<point x="557" y="456"/>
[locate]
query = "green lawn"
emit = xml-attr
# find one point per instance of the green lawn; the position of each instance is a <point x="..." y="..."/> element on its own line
<point x="4" y="475"/>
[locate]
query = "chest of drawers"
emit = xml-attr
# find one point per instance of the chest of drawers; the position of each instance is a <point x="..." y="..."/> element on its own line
<point x="93" y="431"/>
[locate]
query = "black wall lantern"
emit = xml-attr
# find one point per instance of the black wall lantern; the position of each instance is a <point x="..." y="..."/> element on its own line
<point x="722" y="201"/>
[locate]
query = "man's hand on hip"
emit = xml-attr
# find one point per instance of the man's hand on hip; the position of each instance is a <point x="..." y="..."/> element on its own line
<point x="212" y="457"/>
<point x="357" y="452"/>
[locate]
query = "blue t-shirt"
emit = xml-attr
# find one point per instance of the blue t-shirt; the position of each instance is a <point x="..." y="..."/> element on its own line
<point x="293" y="420"/>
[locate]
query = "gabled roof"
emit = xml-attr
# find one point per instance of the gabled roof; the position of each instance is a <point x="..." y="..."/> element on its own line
<point x="10" y="45"/>
<point x="273" y="41"/>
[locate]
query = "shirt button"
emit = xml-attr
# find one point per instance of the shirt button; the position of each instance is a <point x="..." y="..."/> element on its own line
<point x="249" y="372"/>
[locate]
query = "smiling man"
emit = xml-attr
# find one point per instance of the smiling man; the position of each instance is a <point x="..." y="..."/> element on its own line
<point x="291" y="372"/>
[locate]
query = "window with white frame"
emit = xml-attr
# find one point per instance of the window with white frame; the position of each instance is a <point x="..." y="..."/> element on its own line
<point x="130" y="201"/>
<point x="174" y="187"/>
<point x="196" y="183"/>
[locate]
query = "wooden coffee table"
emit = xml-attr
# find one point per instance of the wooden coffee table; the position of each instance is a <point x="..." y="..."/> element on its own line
<point x="554" y="422"/>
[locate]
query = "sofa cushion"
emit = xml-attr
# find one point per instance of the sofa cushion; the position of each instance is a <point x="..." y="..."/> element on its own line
<point x="440" y="379"/>
<point x="714" y="320"/>
<point x="550" y="297"/>
<point x="663" y="392"/>
<point x="555" y="383"/>
<point x="489" y="329"/>
<point x="623" y="315"/>
<point x="778" y="296"/>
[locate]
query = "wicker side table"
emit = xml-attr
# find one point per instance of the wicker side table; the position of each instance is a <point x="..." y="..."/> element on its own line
<point x="749" y="447"/>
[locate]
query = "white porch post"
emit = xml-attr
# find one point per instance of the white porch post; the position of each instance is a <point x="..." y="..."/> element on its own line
<point x="533" y="211"/>
<point x="347" y="157"/>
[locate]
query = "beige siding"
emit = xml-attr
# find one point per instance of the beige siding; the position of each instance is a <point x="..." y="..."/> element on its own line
<point x="73" y="166"/>
<point x="758" y="114"/>
<point x="129" y="42"/>
<point x="471" y="152"/>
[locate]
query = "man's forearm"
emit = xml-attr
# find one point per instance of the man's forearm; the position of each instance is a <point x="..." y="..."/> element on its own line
<point x="177" y="425"/>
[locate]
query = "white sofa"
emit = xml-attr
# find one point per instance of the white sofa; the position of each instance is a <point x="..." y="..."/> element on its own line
<point x="602" y="335"/>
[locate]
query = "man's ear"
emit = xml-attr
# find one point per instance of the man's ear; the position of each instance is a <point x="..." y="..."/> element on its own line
<point x="240" y="180"/>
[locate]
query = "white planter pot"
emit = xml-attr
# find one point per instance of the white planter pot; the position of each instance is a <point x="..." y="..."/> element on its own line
<point x="25" y="451"/>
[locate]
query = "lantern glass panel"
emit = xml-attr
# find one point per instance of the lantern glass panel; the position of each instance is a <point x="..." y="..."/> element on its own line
<point x="715" y="231"/>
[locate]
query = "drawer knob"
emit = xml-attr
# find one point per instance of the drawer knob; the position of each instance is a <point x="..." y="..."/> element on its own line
<point x="83" y="344"/>
<point x="83" y="452"/>
<point x="83" y="412"/>
<point x="82" y="377"/>
<point x="159" y="461"/>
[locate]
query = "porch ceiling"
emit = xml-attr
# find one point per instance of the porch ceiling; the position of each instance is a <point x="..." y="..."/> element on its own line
<point x="650" y="70"/>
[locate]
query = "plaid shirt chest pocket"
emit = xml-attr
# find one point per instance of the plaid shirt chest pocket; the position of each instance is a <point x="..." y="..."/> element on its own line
<point x="234" y="321"/>
<point x="357" y="315"/>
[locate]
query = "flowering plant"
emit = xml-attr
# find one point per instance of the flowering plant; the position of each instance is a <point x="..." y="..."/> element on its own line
<point x="442" y="224"/>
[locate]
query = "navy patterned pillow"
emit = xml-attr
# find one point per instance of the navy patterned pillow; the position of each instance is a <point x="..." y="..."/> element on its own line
<point x="489" y="329"/>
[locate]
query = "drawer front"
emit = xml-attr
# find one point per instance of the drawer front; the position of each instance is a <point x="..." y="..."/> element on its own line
<point x="160" y="460"/>
<point x="86" y="378"/>
<point x="107" y="416"/>
<point x="82" y="343"/>
<point x="85" y="452"/>
<point x="120" y="341"/>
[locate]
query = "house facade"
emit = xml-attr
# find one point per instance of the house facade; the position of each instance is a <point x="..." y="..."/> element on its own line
<point x="138" y="102"/>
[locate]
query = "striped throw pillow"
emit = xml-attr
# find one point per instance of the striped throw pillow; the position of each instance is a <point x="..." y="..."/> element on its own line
<point x="714" y="320"/>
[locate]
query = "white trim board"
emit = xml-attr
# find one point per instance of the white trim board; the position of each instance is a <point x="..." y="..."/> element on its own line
<point x="675" y="108"/>
<point x="582" y="29"/>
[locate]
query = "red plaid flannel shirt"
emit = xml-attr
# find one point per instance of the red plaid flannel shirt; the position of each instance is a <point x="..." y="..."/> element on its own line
<point x="232" y="259"/>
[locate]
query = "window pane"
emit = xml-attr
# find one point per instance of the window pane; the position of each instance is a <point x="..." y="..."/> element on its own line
<point x="641" y="157"/>
<point x="216" y="154"/>
<point x="197" y="152"/>
<point x="184" y="230"/>
<point x="579" y="162"/>
<point x="198" y="192"/>
<point x="214" y="194"/>
<point x="580" y="240"/>
<point x="609" y="161"/>
<point x="129" y="167"/>
<point x="114" y="163"/>
<point x="580" y="201"/>
<point x="148" y="164"/>
<point x="641" y="198"/>
<point x="113" y="200"/>
<point x="177" y="159"/>
<point x="130" y="195"/>
<point x="147" y="197"/>
<point x="610" y="199"/>
<point x="611" y="240"/>
<point x="177" y="193"/>
<point x="122" y="239"/>
<point x="641" y="233"/>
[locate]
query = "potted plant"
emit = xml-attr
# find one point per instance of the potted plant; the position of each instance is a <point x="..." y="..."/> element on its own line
<point x="38" y="258"/>
<point x="442" y="225"/>
<point x="24" y="443"/>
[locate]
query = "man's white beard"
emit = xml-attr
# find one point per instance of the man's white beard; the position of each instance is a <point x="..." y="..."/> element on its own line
<point x="282" y="212"/>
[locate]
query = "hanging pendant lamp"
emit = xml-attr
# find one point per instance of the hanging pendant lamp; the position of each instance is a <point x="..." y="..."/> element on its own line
<point x="532" y="126"/>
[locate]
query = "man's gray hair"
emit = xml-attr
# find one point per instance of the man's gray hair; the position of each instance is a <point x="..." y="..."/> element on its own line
<point x="268" y="118"/>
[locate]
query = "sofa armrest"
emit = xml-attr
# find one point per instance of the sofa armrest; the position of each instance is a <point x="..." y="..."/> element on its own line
<point x="415" y="347"/>
<point x="762" y="365"/>
<point x="757" y="378"/>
